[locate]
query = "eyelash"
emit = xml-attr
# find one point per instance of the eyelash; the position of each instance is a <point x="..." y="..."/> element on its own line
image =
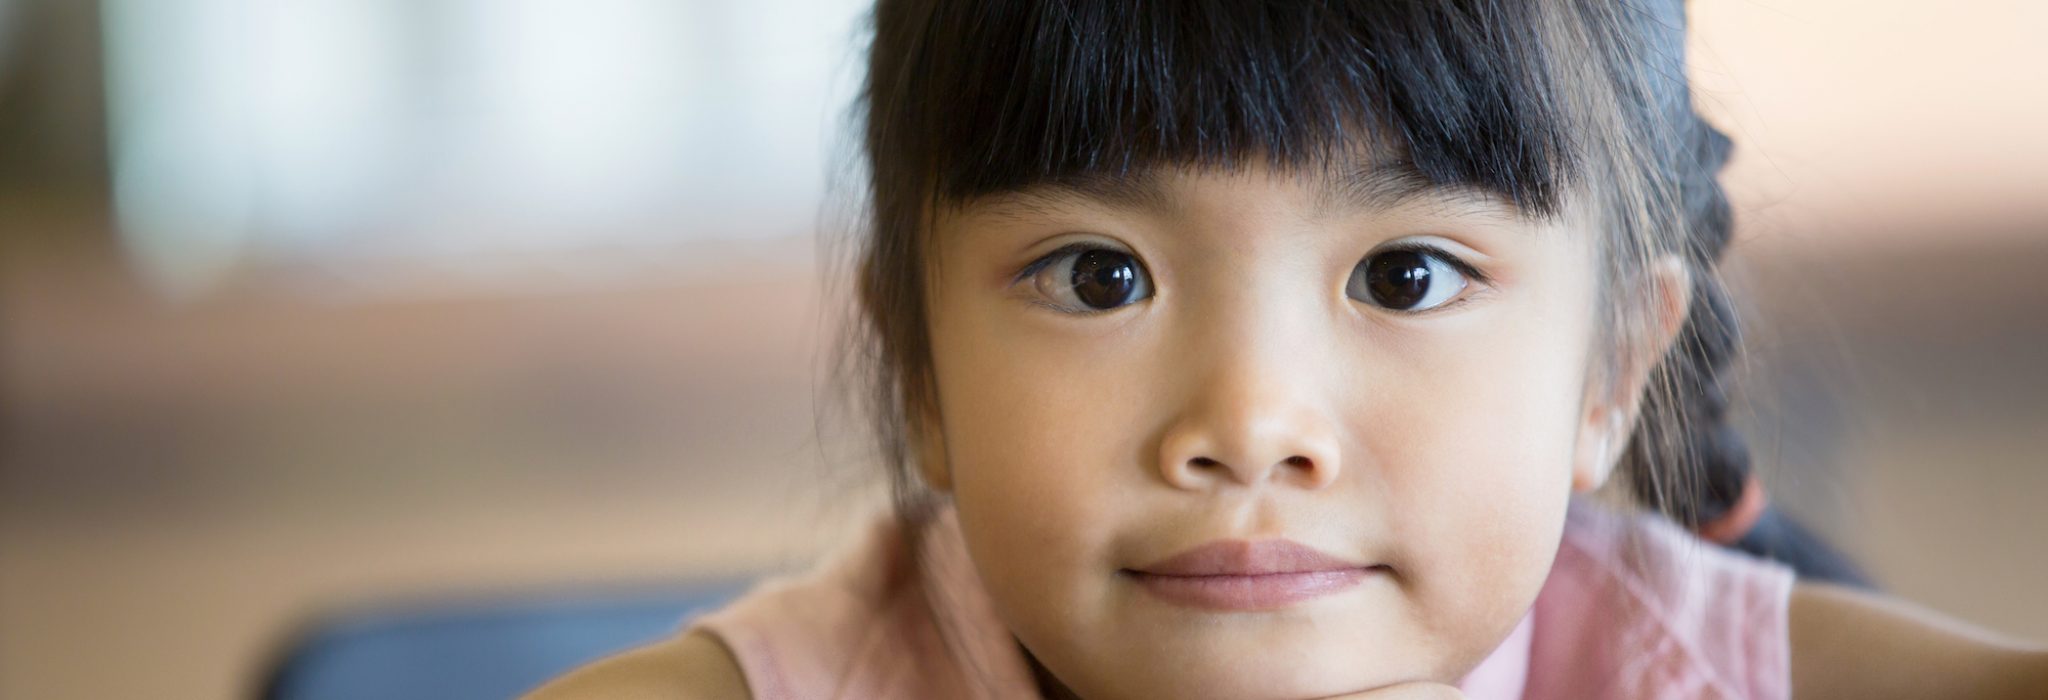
<point x="1039" y="265"/>
<point x="1471" y="273"/>
<point x="1465" y="268"/>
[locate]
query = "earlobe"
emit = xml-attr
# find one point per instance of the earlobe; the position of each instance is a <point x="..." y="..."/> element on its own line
<point x="1599" y="450"/>
<point x="930" y="453"/>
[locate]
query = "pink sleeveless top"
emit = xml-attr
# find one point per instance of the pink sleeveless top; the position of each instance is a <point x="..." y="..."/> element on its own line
<point x="1634" y="608"/>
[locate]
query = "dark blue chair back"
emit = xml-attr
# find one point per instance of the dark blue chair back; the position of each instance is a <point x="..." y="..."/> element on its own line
<point x="482" y="649"/>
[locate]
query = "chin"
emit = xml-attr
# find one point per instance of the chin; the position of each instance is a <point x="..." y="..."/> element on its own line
<point x="1253" y="683"/>
<point x="1302" y="666"/>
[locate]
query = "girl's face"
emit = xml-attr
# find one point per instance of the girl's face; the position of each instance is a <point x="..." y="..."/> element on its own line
<point x="1149" y="389"/>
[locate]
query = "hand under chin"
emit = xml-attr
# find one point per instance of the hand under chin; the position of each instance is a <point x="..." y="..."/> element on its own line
<point x="1406" y="691"/>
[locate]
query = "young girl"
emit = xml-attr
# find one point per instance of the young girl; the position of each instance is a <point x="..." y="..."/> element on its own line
<point x="1258" y="350"/>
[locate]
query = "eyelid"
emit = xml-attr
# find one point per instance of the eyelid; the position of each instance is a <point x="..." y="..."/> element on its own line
<point x="1435" y="246"/>
<point x="1441" y="249"/>
<point x="1039" y="263"/>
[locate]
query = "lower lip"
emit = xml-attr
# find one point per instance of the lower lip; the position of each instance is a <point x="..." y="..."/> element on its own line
<point x="1250" y="592"/>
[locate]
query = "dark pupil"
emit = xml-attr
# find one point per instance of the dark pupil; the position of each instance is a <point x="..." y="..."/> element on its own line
<point x="1103" y="279"/>
<point x="1398" y="279"/>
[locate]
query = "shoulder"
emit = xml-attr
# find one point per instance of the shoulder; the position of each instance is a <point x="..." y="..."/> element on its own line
<point x="797" y="635"/>
<point x="1686" y="585"/>
<point x="1645" y="609"/>
<point x="693" y="666"/>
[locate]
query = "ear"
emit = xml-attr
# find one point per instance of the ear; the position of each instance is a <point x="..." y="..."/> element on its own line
<point x="1612" y="406"/>
<point x="929" y="444"/>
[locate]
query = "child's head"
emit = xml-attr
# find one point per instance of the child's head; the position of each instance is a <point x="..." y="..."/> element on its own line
<point x="1387" y="279"/>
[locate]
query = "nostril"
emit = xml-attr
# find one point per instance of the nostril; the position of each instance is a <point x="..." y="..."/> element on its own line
<point x="1299" y="461"/>
<point x="1203" y="462"/>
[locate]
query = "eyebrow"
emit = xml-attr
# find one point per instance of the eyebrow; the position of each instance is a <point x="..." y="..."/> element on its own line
<point x="1349" y="187"/>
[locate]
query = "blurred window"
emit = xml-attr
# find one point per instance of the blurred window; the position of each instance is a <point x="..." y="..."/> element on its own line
<point x="467" y="136"/>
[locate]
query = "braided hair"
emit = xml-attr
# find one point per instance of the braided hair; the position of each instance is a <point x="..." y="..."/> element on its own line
<point x="1686" y="457"/>
<point x="1720" y="497"/>
<point x="1685" y="417"/>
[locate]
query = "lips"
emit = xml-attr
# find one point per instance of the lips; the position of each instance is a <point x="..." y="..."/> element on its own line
<point x="1249" y="575"/>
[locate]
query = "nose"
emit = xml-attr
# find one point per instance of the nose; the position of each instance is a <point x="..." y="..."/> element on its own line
<point x="1250" y="425"/>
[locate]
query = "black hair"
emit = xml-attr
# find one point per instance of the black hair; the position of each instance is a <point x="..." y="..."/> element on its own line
<point x="967" y="99"/>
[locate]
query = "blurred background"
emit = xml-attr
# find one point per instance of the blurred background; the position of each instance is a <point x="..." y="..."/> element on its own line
<point x="310" y="305"/>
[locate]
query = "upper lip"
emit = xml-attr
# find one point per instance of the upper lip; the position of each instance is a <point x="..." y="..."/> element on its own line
<point x="1248" y="558"/>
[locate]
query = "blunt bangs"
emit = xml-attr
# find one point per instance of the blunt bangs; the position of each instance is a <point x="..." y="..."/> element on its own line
<point x="983" y="97"/>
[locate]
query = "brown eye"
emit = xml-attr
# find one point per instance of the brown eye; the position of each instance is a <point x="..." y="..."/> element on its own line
<point x="1093" y="279"/>
<point x="1406" y="279"/>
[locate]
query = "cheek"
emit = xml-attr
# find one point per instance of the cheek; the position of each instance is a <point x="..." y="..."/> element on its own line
<point x="1035" y="440"/>
<point x="1472" y="436"/>
<point x="1473" y="423"/>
